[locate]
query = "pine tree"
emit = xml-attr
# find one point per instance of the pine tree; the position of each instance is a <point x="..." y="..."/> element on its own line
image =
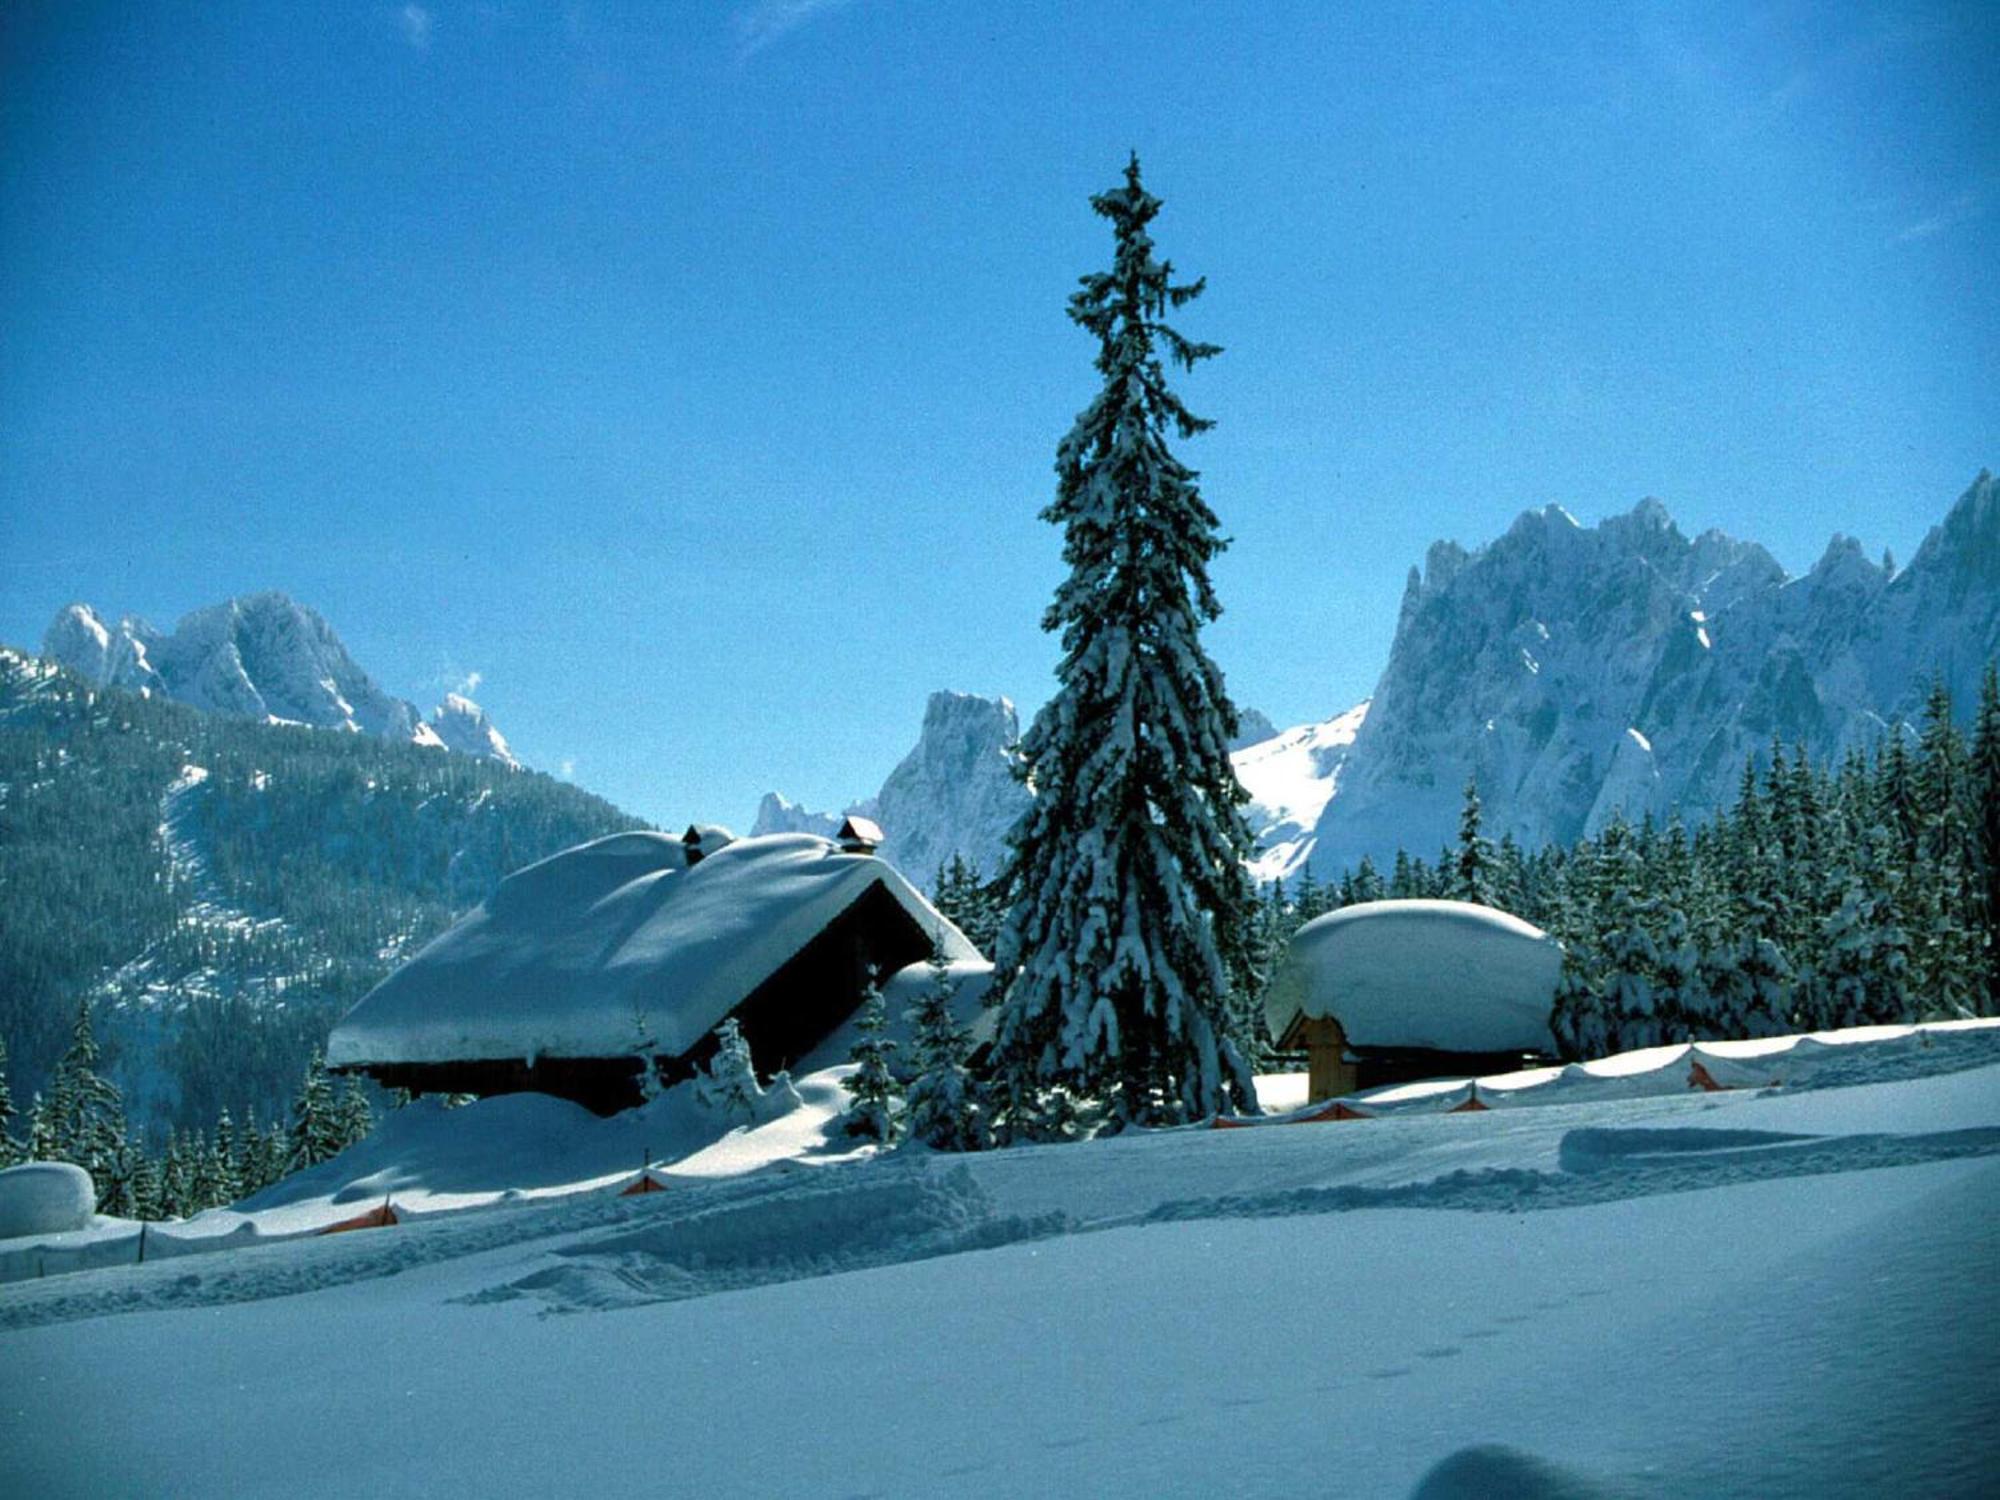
<point x="353" y="1119"/>
<point x="83" y="1120"/>
<point x="1948" y="952"/>
<point x="940" y="1108"/>
<point x="1309" y="899"/>
<point x="228" y="1161"/>
<point x="964" y="900"/>
<point x="1474" y="863"/>
<point x="1368" y="883"/>
<point x="1983" y="776"/>
<point x="315" y="1135"/>
<point x="1125" y="877"/>
<point x="872" y="1114"/>
<point x="1680" y="1005"/>
<point x="1403" y="884"/>
<point x="1864" y="978"/>
<point x="1630" y="958"/>
<point x="11" y="1150"/>
<point x="728" y="1084"/>
<point x="176" y="1189"/>
<point x="142" y="1183"/>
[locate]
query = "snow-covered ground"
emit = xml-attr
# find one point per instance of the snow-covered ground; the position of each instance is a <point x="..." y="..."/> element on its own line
<point x="1633" y="1289"/>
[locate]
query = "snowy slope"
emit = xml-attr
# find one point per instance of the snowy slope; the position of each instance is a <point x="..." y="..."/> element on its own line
<point x="264" y="657"/>
<point x="1747" y="1293"/>
<point x="1291" y="776"/>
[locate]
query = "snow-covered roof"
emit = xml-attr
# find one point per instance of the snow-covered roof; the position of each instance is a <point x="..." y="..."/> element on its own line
<point x="1447" y="975"/>
<point x="618" y="947"/>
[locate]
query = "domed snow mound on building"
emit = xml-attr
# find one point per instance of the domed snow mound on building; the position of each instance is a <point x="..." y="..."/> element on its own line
<point x="1391" y="991"/>
<point x="582" y="971"/>
<point x="45" y="1197"/>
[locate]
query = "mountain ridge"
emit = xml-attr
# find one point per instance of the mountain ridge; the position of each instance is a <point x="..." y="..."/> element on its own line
<point x="261" y="656"/>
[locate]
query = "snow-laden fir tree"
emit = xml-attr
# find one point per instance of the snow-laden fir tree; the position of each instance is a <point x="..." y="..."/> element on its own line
<point x="1680" y="1004"/>
<point x="229" y="1164"/>
<point x="1984" y="777"/>
<point x="207" y="1185"/>
<point x="315" y="1132"/>
<point x="1125" y="880"/>
<point x="1629" y="956"/>
<point x="872" y="1114"/>
<point x="940" y="1107"/>
<point x="353" y="1118"/>
<point x="1474" y="862"/>
<point x="728" y="1083"/>
<point x="965" y="900"/>
<point x="82" y="1120"/>
<point x="1863" y="977"/>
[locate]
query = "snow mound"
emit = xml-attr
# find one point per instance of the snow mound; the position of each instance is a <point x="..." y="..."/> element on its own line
<point x="618" y="947"/>
<point x="819" y="1228"/>
<point x="1447" y="975"/>
<point x="45" y="1197"/>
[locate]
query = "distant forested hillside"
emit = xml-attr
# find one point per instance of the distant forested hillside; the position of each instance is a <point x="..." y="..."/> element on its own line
<point x="223" y="889"/>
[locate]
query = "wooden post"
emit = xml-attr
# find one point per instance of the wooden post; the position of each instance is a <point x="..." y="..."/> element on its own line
<point x="1329" y="1074"/>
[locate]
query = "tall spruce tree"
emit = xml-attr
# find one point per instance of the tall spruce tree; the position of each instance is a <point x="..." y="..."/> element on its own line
<point x="1125" y="882"/>
<point x="1984" y="776"/>
<point x="1474" y="873"/>
<point x="83" y="1119"/>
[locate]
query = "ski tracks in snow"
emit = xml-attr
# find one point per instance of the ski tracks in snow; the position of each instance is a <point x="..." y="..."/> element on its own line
<point x="1605" y="1165"/>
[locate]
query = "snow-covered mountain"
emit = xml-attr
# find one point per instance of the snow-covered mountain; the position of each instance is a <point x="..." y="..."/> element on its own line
<point x="261" y="657"/>
<point x="462" y="725"/>
<point x="1290" y="777"/>
<point x="953" y="794"/>
<point x="1577" y="671"/>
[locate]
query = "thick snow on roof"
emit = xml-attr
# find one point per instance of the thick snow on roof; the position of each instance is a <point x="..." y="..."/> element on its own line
<point x="617" y="947"/>
<point x="1439" y="974"/>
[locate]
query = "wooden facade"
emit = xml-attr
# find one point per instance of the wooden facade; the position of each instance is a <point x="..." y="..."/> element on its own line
<point x="1336" y="1068"/>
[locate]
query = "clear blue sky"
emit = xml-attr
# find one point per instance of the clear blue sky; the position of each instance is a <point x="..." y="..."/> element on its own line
<point x="692" y="372"/>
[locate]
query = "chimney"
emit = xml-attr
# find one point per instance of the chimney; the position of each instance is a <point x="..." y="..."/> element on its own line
<point x="858" y="835"/>
<point x="703" y="839"/>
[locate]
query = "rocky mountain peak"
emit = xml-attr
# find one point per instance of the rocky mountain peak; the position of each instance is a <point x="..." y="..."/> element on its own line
<point x="259" y="656"/>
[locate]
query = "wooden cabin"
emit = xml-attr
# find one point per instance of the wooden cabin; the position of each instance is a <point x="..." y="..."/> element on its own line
<point x="1394" y="991"/>
<point x="587" y="971"/>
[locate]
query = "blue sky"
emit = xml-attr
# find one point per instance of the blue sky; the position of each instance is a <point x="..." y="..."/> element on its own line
<point x="692" y="372"/>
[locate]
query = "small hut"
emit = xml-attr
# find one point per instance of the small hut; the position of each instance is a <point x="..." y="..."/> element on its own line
<point x="621" y="957"/>
<point x="1392" y="991"/>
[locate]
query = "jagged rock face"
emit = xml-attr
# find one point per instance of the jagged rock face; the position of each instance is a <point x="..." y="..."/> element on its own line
<point x="260" y="657"/>
<point x="462" y="725"/>
<point x="1579" y="671"/>
<point x="954" y="794"/>
<point x="112" y="655"/>
<point x="779" y="814"/>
